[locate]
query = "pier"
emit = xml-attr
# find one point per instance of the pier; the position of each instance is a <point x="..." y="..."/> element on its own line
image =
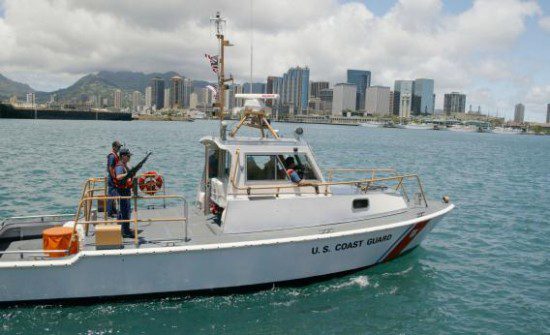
<point x="10" y="112"/>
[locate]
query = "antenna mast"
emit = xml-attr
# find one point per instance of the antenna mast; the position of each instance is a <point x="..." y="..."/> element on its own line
<point x="219" y="22"/>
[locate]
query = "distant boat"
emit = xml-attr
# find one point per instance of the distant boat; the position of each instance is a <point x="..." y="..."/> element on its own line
<point x="371" y="124"/>
<point x="506" y="130"/>
<point x="418" y="126"/>
<point x="464" y="129"/>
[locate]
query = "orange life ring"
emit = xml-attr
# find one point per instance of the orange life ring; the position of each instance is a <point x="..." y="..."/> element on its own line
<point x="150" y="182"/>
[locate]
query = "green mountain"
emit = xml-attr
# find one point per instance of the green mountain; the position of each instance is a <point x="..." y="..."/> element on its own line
<point x="9" y="87"/>
<point x="103" y="84"/>
<point x="133" y="81"/>
<point x="87" y="86"/>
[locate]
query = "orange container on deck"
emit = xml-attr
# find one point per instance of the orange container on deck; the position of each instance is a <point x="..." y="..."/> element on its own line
<point x="59" y="238"/>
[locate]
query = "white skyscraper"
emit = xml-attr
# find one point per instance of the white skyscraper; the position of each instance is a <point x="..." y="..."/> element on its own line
<point x="136" y="100"/>
<point x="118" y="99"/>
<point x="405" y="89"/>
<point x="377" y="101"/>
<point x="148" y="97"/>
<point x="167" y="98"/>
<point x="343" y="98"/>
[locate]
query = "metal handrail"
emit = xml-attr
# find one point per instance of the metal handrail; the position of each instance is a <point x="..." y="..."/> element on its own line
<point x="373" y="171"/>
<point x="316" y="185"/>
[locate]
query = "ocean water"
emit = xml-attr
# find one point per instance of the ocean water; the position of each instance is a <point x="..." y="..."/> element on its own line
<point x="484" y="269"/>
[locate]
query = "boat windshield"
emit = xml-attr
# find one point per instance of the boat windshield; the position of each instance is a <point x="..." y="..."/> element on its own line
<point x="303" y="165"/>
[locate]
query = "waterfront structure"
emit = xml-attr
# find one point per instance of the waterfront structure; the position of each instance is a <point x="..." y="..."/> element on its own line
<point x="403" y="93"/>
<point x="344" y="98"/>
<point x="136" y="101"/>
<point x="148" y="97"/>
<point x="31" y="99"/>
<point x="255" y="87"/>
<point x="519" y="113"/>
<point x="315" y="88"/>
<point x="454" y="102"/>
<point x="167" y="95"/>
<point x="326" y="96"/>
<point x="548" y="113"/>
<point x="296" y="90"/>
<point x="423" y="96"/>
<point x="157" y="93"/>
<point x="377" y="100"/>
<point x="177" y="92"/>
<point x="118" y="99"/>
<point x="274" y="86"/>
<point x="361" y="80"/>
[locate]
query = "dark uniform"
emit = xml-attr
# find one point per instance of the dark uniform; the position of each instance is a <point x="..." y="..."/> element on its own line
<point x="112" y="161"/>
<point x="123" y="190"/>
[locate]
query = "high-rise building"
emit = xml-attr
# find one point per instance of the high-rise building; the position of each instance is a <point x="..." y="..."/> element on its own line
<point x="31" y="98"/>
<point x="256" y="88"/>
<point x="187" y="90"/>
<point x="157" y="92"/>
<point x="315" y="88"/>
<point x="392" y="100"/>
<point x="148" y="97"/>
<point x="193" y="100"/>
<point x="519" y="113"/>
<point x="167" y="95"/>
<point x="548" y="113"/>
<point x="118" y="99"/>
<point x="377" y="100"/>
<point x="326" y="96"/>
<point x="136" y="101"/>
<point x="177" y="91"/>
<point x="423" y="96"/>
<point x="403" y="93"/>
<point x="454" y="103"/>
<point x="361" y="80"/>
<point x="274" y="86"/>
<point x="296" y="90"/>
<point x="344" y="98"/>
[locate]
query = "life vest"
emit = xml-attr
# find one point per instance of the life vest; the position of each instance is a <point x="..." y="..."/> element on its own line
<point x="289" y="171"/>
<point x="118" y="184"/>
<point x="117" y="159"/>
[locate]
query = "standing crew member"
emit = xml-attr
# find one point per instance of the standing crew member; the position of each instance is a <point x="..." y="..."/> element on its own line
<point x="124" y="189"/>
<point x="112" y="161"/>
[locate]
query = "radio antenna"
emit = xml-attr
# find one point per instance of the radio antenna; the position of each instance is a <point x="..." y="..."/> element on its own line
<point x="251" y="44"/>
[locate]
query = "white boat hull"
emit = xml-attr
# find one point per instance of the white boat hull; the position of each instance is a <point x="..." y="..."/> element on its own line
<point x="96" y="274"/>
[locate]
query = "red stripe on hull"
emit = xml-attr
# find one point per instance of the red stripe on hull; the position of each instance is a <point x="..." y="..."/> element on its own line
<point x="406" y="240"/>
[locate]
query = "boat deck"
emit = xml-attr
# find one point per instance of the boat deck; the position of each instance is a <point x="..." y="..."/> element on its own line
<point x="203" y="230"/>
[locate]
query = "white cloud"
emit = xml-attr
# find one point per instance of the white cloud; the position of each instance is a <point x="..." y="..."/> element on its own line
<point x="64" y="39"/>
<point x="544" y="23"/>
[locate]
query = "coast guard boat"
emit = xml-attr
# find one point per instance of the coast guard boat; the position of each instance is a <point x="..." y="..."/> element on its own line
<point x="251" y="225"/>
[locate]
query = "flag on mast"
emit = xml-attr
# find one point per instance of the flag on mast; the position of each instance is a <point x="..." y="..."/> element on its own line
<point x="214" y="61"/>
<point x="214" y="91"/>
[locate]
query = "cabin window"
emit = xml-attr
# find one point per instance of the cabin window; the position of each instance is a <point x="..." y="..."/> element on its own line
<point x="303" y="165"/>
<point x="360" y="204"/>
<point x="264" y="167"/>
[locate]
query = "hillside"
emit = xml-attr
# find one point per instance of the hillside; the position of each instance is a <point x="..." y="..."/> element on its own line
<point x="10" y="87"/>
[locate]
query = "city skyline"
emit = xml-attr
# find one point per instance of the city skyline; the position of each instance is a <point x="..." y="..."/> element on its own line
<point x="496" y="62"/>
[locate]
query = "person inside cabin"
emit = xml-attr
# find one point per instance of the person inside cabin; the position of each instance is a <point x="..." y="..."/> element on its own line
<point x="112" y="161"/>
<point x="124" y="189"/>
<point x="290" y="170"/>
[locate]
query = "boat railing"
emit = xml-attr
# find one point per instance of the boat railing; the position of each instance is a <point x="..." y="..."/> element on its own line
<point x="372" y="171"/>
<point x="84" y="214"/>
<point x="323" y="187"/>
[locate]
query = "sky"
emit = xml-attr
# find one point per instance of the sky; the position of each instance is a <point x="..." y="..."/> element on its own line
<point x="494" y="51"/>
